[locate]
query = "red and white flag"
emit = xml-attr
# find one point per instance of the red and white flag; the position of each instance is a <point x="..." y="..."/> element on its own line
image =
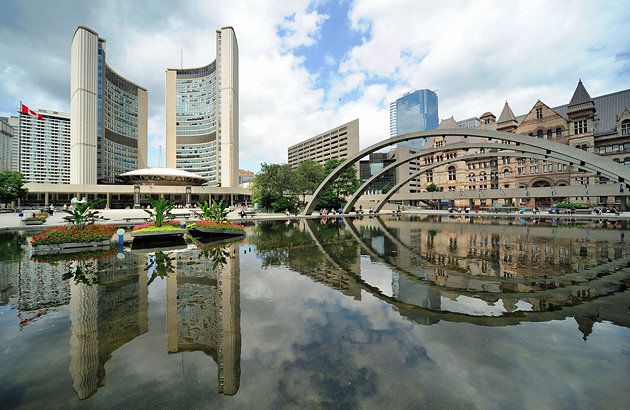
<point x="25" y="110"/>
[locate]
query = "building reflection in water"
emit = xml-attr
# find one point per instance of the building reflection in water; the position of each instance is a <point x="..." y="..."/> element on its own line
<point x="492" y="273"/>
<point x="107" y="311"/>
<point x="109" y="308"/>
<point x="203" y="310"/>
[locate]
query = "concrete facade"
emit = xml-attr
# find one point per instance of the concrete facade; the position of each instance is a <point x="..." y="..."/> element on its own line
<point x="202" y="115"/>
<point x="44" y="147"/>
<point x="338" y="143"/>
<point x="108" y="115"/>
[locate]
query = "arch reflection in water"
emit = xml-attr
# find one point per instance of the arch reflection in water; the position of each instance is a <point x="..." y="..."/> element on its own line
<point x="493" y="273"/>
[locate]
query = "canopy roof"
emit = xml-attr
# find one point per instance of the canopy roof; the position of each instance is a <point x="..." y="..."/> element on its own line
<point x="162" y="176"/>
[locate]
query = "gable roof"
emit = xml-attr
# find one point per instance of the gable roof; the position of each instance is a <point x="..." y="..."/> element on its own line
<point x="448" y="123"/>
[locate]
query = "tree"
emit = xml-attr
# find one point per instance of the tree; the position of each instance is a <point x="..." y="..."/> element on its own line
<point x="84" y="213"/>
<point x="11" y="187"/>
<point x="386" y="188"/>
<point x="432" y="187"/>
<point x="161" y="210"/>
<point x="345" y="184"/>
<point x="215" y="211"/>
<point x="274" y="187"/>
<point x="308" y="175"/>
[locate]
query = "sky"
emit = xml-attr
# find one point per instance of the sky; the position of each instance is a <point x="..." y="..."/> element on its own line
<point x="307" y="66"/>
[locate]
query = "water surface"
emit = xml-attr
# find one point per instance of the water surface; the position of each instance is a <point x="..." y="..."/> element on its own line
<point x="372" y="313"/>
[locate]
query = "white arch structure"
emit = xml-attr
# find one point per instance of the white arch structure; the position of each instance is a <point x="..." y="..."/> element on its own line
<point x="512" y="142"/>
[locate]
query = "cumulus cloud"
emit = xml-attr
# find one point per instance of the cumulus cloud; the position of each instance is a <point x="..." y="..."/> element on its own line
<point x="475" y="54"/>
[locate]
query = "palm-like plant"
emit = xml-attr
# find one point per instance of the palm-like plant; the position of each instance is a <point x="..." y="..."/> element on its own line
<point x="84" y="213"/>
<point x="215" y="211"/>
<point x="161" y="210"/>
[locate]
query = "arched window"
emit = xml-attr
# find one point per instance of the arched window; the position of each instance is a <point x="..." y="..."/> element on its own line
<point x="471" y="177"/>
<point x="452" y="174"/>
<point x="531" y="135"/>
<point x="539" y="134"/>
<point x="558" y="132"/>
<point x="549" y="134"/>
<point x="625" y="127"/>
<point x="616" y="160"/>
<point x="506" y="173"/>
<point x="482" y="176"/>
<point x="584" y="147"/>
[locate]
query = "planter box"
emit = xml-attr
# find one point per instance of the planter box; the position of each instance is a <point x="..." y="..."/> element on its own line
<point x="40" y="222"/>
<point x="218" y="231"/>
<point x="158" y="233"/>
<point x="71" y="247"/>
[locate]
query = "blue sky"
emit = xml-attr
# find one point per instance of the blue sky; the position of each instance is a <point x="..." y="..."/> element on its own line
<point x="306" y="66"/>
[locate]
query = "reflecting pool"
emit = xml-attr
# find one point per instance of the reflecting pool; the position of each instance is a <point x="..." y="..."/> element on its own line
<point x="457" y="312"/>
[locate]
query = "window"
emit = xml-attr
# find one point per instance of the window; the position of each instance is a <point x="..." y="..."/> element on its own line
<point x="471" y="177"/>
<point x="521" y="170"/>
<point x="538" y="113"/>
<point x="549" y="134"/>
<point x="558" y="132"/>
<point x="579" y="127"/>
<point x="601" y="150"/>
<point x="452" y="174"/>
<point x="482" y="176"/>
<point x="506" y="173"/>
<point x="615" y="148"/>
<point x="584" y="147"/>
<point x="625" y="127"/>
<point x="626" y="146"/>
<point x="539" y="134"/>
<point x="626" y="161"/>
<point x="429" y="175"/>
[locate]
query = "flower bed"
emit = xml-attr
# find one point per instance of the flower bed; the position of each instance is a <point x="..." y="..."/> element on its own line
<point x="150" y="227"/>
<point x="212" y="226"/>
<point x="73" y="234"/>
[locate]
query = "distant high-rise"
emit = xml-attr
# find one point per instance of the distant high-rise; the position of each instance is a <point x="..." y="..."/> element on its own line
<point x="202" y="115"/>
<point x="44" y="147"/>
<point x="7" y="135"/>
<point x="109" y="115"/>
<point x="414" y="111"/>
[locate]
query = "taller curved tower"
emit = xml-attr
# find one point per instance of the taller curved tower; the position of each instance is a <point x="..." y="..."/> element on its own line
<point x="108" y="115"/>
<point x="202" y="115"/>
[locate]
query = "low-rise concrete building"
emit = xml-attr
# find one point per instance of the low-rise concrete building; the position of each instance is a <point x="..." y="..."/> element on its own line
<point x="337" y="143"/>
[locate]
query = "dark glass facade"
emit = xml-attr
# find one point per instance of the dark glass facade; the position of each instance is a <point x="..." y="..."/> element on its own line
<point x="416" y="111"/>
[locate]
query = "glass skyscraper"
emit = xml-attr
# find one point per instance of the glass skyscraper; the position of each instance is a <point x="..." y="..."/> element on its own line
<point x="414" y="111"/>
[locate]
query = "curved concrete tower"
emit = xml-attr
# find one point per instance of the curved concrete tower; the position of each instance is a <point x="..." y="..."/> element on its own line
<point x="202" y="115"/>
<point x="108" y="115"/>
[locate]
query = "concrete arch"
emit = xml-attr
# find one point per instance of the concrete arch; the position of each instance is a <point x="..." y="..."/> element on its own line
<point x="583" y="159"/>
<point x="533" y="153"/>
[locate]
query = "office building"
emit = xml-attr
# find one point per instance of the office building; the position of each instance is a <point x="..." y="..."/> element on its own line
<point x="472" y="122"/>
<point x="7" y="136"/>
<point x="374" y="164"/>
<point x="108" y="113"/>
<point x="337" y="143"/>
<point x="202" y="115"/>
<point x="44" y="147"/>
<point x="413" y="112"/>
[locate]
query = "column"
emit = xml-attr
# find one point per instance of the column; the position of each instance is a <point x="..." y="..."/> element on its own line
<point x="45" y="198"/>
<point x="136" y="196"/>
<point x="188" y="195"/>
<point x="109" y="200"/>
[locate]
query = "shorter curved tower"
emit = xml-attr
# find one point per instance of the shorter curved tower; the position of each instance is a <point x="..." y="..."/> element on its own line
<point x="108" y="115"/>
<point x="202" y="115"/>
